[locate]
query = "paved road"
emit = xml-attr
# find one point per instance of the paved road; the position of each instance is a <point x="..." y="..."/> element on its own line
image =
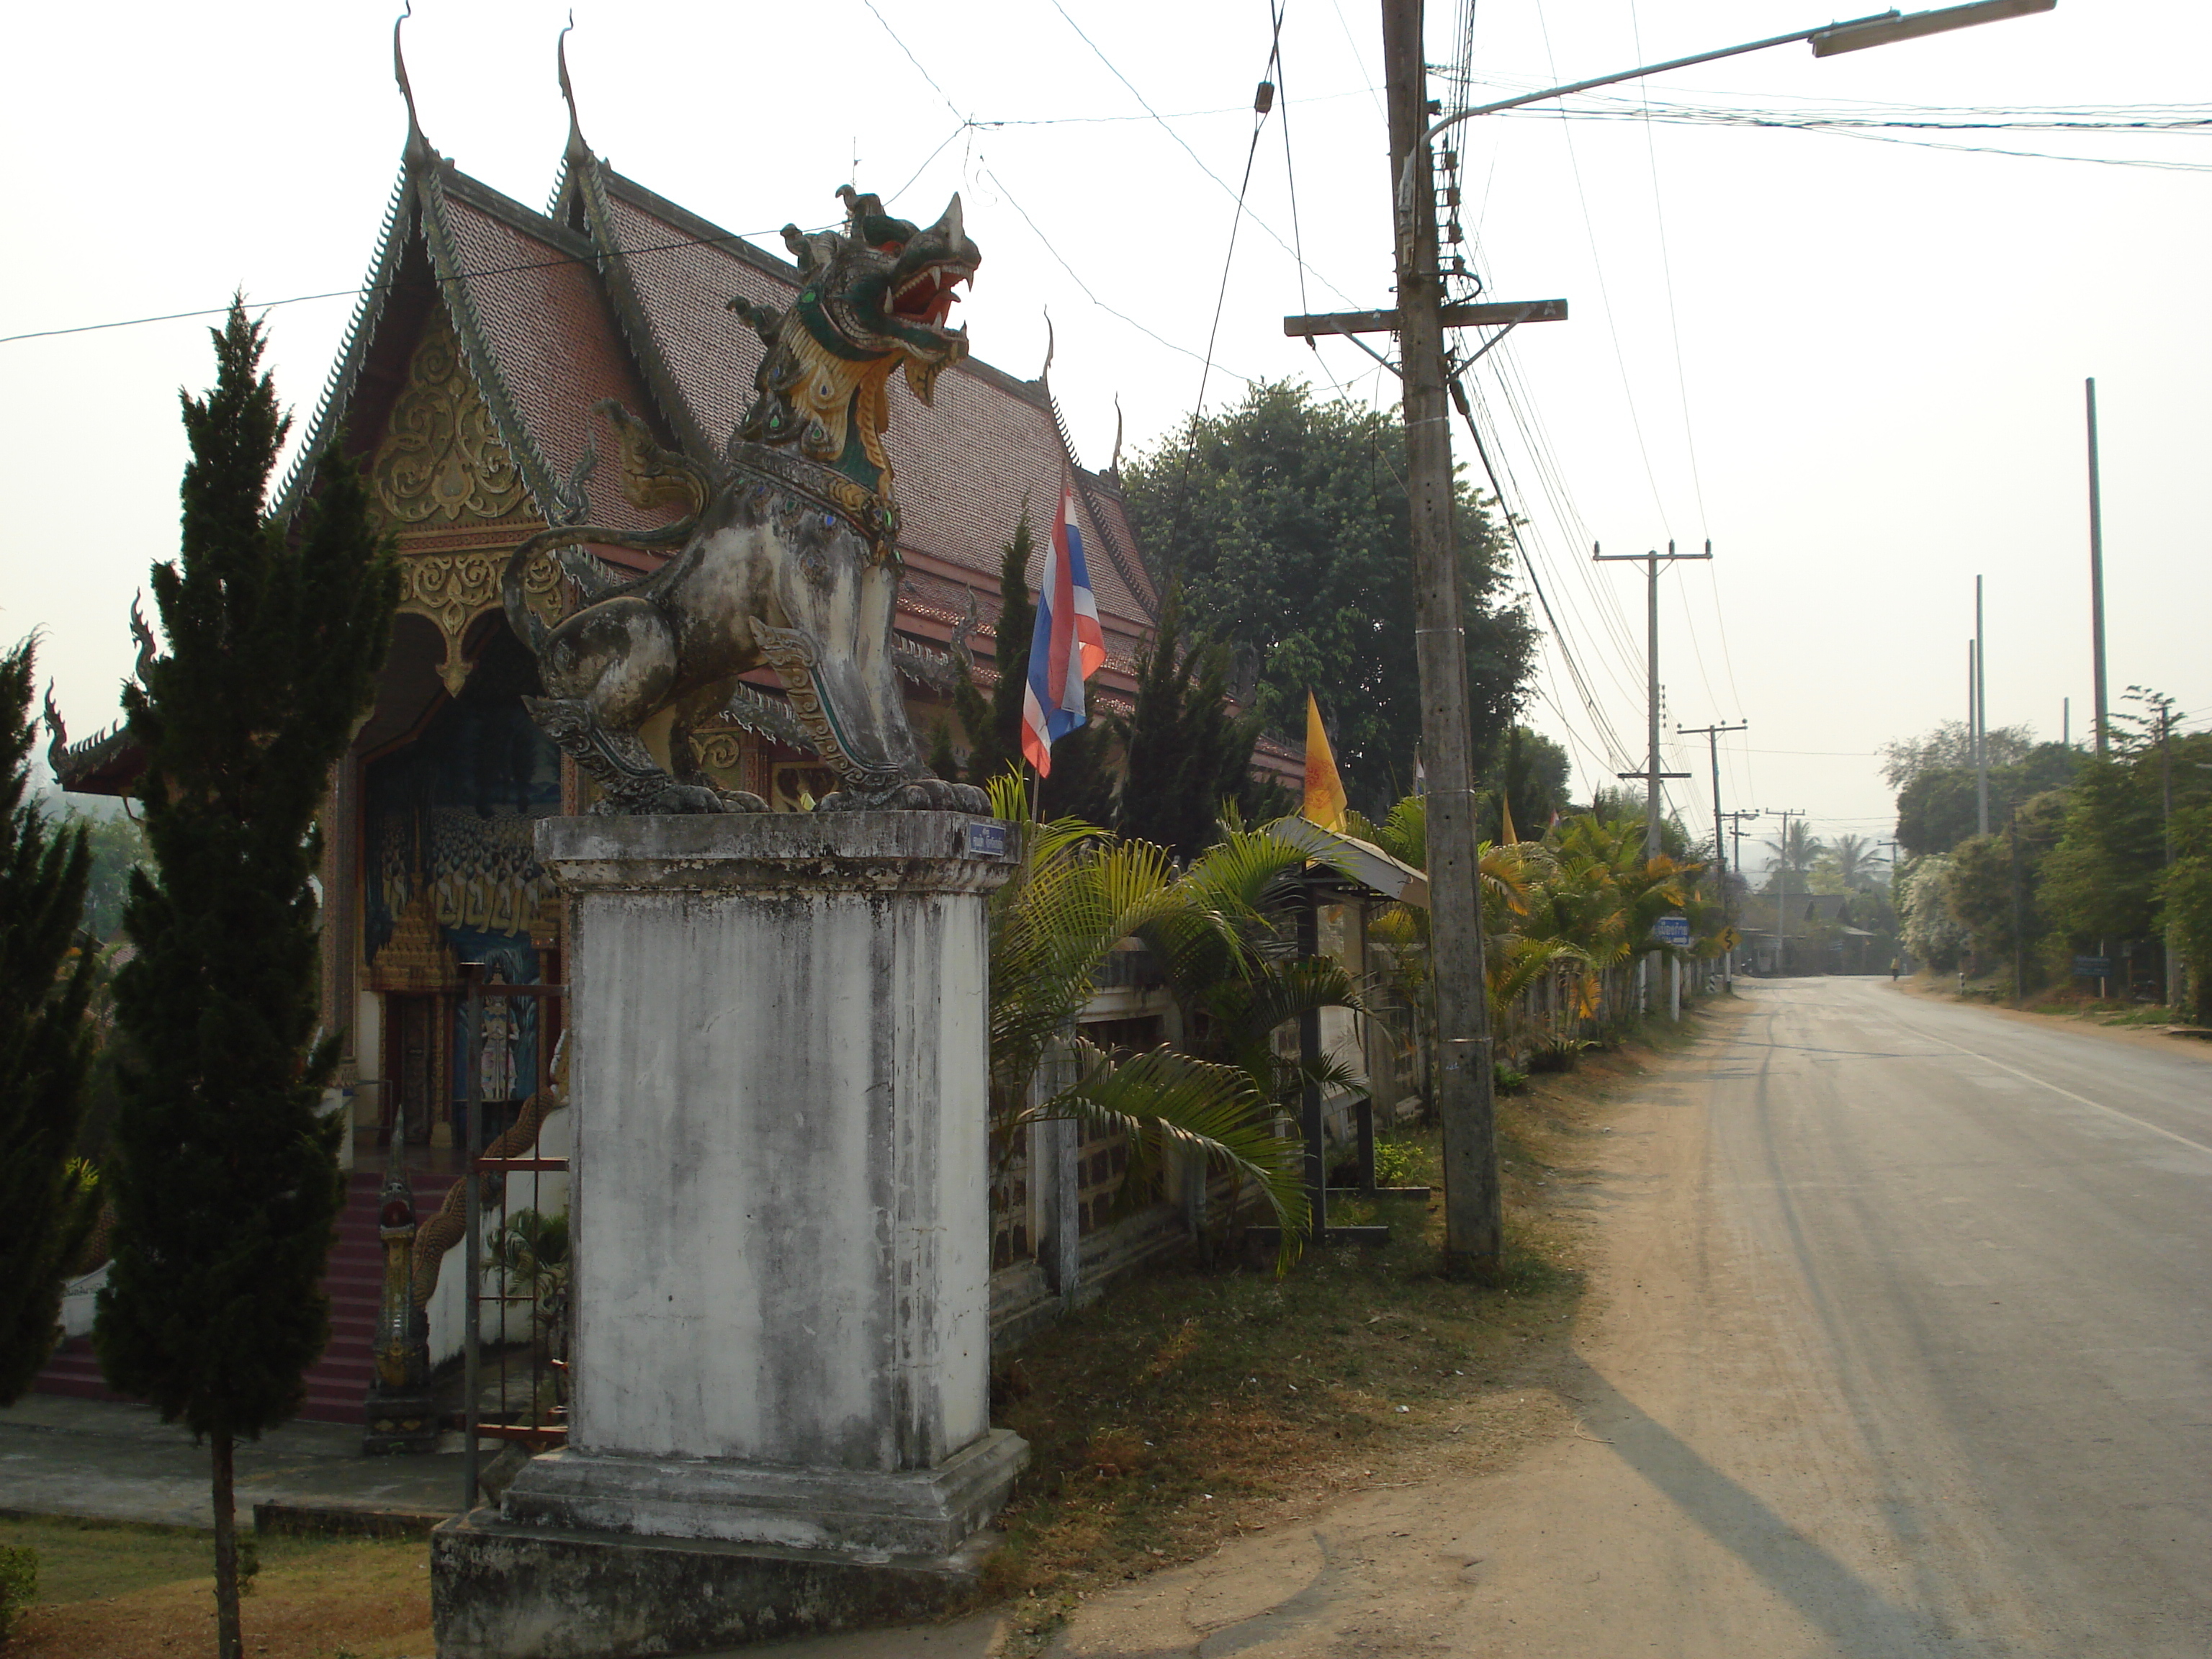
<point x="1900" y="1347"/>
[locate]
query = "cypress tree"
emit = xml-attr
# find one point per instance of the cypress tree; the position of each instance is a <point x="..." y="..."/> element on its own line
<point x="1081" y="784"/>
<point x="993" y="725"/>
<point x="225" y="1183"/>
<point x="46" y="1201"/>
<point x="1188" y="754"/>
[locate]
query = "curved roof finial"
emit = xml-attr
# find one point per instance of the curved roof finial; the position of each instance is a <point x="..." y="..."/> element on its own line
<point x="576" y="144"/>
<point x="418" y="146"/>
<point x="1114" y="467"/>
<point x="1044" y="375"/>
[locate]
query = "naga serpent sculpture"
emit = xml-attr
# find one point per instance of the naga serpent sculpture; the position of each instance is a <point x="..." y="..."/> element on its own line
<point x="787" y="553"/>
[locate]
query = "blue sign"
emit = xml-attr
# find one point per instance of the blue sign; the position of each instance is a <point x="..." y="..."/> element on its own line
<point x="2093" y="967"/>
<point x="1672" y="930"/>
<point x="987" y="841"/>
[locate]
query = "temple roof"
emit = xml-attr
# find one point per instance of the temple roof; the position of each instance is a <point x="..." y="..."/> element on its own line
<point x="619" y="293"/>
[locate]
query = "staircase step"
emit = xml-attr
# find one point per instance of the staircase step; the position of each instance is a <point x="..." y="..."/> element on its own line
<point x="353" y="1279"/>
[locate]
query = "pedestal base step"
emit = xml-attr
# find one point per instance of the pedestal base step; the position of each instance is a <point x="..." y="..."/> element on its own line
<point x="499" y="1590"/>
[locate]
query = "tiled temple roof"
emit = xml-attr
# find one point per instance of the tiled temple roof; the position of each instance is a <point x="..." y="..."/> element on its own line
<point x="966" y="466"/>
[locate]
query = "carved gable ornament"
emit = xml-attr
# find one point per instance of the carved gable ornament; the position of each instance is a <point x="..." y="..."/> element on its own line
<point x="441" y="460"/>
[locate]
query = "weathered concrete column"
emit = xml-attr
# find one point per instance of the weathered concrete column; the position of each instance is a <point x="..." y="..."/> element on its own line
<point x="779" y="1211"/>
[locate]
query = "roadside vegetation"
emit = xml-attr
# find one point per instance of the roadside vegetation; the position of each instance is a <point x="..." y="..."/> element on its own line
<point x="2092" y="861"/>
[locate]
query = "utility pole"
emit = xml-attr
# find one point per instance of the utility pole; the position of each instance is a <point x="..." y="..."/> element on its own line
<point x="1782" y="897"/>
<point x="2166" y="786"/>
<point x="1981" y="719"/>
<point x="1895" y="851"/>
<point x="1473" y="1214"/>
<point x="2096" y="572"/>
<point x="2019" y="923"/>
<point x="1712" y="735"/>
<point x="1736" y="822"/>
<point x="1651" y="774"/>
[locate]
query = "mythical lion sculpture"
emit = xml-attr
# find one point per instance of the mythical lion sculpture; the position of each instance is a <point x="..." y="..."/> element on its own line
<point x="789" y="546"/>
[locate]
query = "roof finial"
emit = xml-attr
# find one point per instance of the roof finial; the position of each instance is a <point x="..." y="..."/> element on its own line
<point x="1114" y="467"/>
<point x="418" y="146"/>
<point x="576" y="145"/>
<point x="1044" y="375"/>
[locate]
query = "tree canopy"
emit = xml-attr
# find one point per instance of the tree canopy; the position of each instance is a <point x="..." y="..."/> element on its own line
<point x="224" y="1171"/>
<point x="1285" y="517"/>
<point x="46" y="1051"/>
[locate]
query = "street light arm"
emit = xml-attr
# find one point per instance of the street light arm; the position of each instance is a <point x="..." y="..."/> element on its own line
<point x="1877" y="29"/>
<point x="1405" y="178"/>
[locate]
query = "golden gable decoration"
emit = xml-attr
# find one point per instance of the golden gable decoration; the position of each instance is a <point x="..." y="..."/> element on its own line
<point x="441" y="460"/>
<point x="416" y="957"/>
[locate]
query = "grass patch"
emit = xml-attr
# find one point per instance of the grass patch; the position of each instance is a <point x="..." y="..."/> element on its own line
<point x="1192" y="1405"/>
<point x="109" y="1590"/>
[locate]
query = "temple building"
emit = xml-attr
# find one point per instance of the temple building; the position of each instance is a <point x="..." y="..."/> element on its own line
<point x="466" y="384"/>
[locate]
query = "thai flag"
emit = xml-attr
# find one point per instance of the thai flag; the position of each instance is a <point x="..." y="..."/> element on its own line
<point x="1067" y="645"/>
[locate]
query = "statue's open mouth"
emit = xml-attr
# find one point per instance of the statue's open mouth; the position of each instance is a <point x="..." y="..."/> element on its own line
<point x="927" y="296"/>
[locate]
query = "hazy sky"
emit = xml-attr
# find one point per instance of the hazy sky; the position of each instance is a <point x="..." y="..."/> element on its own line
<point x="1854" y="362"/>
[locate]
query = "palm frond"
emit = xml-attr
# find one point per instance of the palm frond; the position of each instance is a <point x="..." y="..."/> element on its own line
<point x="1168" y="1101"/>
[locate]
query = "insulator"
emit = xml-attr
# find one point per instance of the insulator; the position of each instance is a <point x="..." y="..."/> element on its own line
<point x="1264" y="99"/>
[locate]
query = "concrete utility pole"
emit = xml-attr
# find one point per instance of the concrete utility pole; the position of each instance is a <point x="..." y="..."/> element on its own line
<point x="2173" y="940"/>
<point x="1651" y="775"/>
<point x="1782" y="896"/>
<point x="1712" y="736"/>
<point x="2096" y="572"/>
<point x="1735" y="834"/>
<point x="1474" y="1213"/>
<point x="1981" y="719"/>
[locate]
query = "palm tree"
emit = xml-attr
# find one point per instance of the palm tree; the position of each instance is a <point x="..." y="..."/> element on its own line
<point x="1795" y="849"/>
<point x="1854" y="861"/>
<point x="1215" y="929"/>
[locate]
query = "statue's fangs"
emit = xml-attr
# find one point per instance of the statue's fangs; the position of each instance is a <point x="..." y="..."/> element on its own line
<point x="788" y="553"/>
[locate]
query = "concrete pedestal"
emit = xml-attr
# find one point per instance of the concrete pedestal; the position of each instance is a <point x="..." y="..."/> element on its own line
<point x="782" y="1344"/>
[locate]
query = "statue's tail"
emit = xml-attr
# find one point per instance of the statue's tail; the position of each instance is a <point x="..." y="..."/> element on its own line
<point x="526" y="623"/>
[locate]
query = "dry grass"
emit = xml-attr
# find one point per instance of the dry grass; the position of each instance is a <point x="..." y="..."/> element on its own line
<point x="123" y="1592"/>
<point x="1192" y="1405"/>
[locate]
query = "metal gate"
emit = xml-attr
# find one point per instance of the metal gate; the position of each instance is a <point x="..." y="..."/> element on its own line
<point x="513" y="1397"/>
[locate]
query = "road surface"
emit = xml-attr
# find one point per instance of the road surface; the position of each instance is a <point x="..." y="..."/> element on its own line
<point x="1899" y="1347"/>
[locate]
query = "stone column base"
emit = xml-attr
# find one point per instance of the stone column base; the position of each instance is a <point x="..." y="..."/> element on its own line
<point x="500" y="1590"/>
<point x="401" y="1421"/>
<point x="864" y="1514"/>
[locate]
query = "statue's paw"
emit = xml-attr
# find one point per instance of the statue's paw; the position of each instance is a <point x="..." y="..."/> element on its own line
<point x="679" y="798"/>
<point x="916" y="796"/>
<point x="939" y="796"/>
<point x="741" y="800"/>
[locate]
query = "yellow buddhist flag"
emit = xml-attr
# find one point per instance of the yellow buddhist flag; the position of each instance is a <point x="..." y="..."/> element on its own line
<point x="1324" y="803"/>
<point x="1507" y="837"/>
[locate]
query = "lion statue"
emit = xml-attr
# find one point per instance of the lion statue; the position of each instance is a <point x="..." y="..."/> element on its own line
<point x="786" y="551"/>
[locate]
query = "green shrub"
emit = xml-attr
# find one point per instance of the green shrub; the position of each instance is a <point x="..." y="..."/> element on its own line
<point x="1398" y="1162"/>
<point x="1508" y="1081"/>
<point x="19" y="1583"/>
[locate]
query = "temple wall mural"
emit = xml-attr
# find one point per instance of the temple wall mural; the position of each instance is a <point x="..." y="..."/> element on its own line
<point x="446" y="878"/>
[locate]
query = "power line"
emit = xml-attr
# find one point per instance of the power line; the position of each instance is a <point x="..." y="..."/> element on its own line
<point x="1000" y="184"/>
<point x="1667" y="275"/>
<point x="368" y="288"/>
<point x="1196" y="160"/>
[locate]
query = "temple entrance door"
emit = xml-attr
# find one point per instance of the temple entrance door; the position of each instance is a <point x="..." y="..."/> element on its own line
<point x="412" y="1065"/>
